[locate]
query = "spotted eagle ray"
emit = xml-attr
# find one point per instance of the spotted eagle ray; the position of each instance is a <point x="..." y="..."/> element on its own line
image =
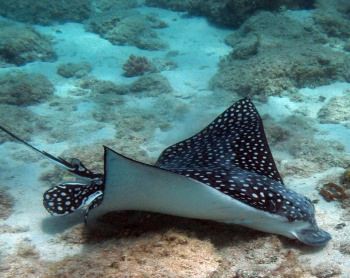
<point x="225" y="173"/>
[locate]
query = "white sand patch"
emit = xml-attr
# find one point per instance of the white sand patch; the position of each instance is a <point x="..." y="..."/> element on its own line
<point x="199" y="46"/>
<point x="24" y="185"/>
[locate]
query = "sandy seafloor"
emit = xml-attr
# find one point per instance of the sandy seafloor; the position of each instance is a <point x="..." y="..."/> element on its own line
<point x="20" y="170"/>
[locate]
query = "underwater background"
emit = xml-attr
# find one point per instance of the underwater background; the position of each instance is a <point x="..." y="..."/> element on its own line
<point x="138" y="76"/>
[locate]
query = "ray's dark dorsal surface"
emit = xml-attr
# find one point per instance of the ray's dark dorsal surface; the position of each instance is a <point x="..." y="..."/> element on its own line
<point x="225" y="173"/>
<point x="233" y="156"/>
<point x="234" y="139"/>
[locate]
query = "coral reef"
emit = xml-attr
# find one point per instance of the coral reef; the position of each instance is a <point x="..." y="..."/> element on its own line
<point x="273" y="53"/>
<point x="100" y="6"/>
<point x="310" y="153"/>
<point x="20" y="88"/>
<point x="77" y="70"/>
<point x="22" y="44"/>
<point x="135" y="124"/>
<point x="151" y="84"/>
<point x="228" y="12"/>
<point x="46" y="11"/>
<point x="336" y="110"/>
<point x="137" y="65"/>
<point x="324" y="153"/>
<point x="103" y="87"/>
<point x="26" y="122"/>
<point x="333" y="17"/>
<point x="6" y="204"/>
<point x="176" y="5"/>
<point x="125" y="27"/>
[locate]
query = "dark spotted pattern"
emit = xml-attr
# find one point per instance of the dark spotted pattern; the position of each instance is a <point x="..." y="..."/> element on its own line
<point x="232" y="155"/>
<point x="68" y="197"/>
<point x="234" y="139"/>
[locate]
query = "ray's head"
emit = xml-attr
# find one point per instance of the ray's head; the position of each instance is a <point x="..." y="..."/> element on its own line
<point x="300" y="210"/>
<point x="297" y="210"/>
<point x="295" y="213"/>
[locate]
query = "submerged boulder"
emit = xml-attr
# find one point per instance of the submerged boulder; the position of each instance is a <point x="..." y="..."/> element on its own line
<point x="21" y="44"/>
<point x="24" y="89"/>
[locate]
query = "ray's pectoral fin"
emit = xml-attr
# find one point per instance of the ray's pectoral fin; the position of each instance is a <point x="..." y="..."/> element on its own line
<point x="236" y="138"/>
<point x="71" y="196"/>
<point x="313" y="236"/>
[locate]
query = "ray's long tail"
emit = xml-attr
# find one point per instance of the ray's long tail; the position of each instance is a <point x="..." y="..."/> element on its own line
<point x="70" y="196"/>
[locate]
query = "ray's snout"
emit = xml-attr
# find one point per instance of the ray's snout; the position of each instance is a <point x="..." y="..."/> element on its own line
<point x="313" y="236"/>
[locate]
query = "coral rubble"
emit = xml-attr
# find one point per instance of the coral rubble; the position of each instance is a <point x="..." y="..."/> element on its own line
<point x="103" y="87"/>
<point x="22" y="44"/>
<point x="20" y="88"/>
